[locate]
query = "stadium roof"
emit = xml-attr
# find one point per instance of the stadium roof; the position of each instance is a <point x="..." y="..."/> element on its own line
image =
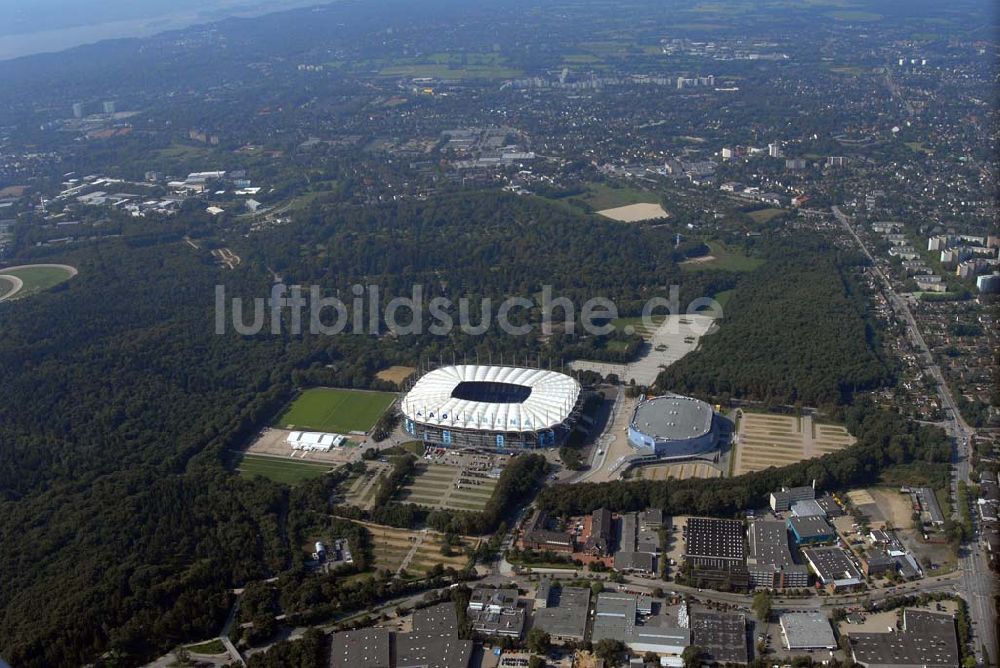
<point x="673" y="417"/>
<point x="493" y="398"/>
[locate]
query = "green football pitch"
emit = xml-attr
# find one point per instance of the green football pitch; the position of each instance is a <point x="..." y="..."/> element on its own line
<point x="288" y="471"/>
<point x="333" y="410"/>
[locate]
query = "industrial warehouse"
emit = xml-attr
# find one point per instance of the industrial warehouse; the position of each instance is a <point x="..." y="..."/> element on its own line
<point x="496" y="407"/>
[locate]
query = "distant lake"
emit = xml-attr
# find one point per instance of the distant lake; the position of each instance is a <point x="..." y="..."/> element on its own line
<point x="59" y="39"/>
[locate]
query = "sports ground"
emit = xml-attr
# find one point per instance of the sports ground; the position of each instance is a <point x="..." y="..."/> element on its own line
<point x="335" y="410"/>
<point x="396" y="374"/>
<point x="634" y="213"/>
<point x="280" y="469"/>
<point x="28" y="279"/>
<point x="440" y="486"/>
<point x="767" y="440"/>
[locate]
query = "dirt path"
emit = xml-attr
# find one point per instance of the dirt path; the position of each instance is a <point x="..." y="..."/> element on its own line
<point x="413" y="550"/>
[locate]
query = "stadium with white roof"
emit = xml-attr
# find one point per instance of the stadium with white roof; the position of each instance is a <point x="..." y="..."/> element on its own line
<point x="496" y="407"/>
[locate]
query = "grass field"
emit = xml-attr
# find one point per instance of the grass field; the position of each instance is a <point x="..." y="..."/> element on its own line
<point x="848" y="70"/>
<point x="359" y="490"/>
<point x="918" y="147"/>
<point x="35" y="278"/>
<point x="601" y="196"/>
<point x="678" y="471"/>
<point x="635" y="325"/>
<point x="726" y="259"/>
<point x="764" y="215"/>
<point x="723" y="297"/>
<point x="213" y="646"/>
<point x="450" y="71"/>
<point x="335" y="410"/>
<point x="855" y="16"/>
<point x="632" y="213"/>
<point x="287" y="471"/>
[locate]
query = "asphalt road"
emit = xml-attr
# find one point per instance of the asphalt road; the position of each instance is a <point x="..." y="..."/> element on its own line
<point x="977" y="579"/>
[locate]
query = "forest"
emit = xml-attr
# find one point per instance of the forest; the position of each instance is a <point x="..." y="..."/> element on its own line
<point x="114" y="432"/>
<point x="885" y="439"/>
<point x="795" y="330"/>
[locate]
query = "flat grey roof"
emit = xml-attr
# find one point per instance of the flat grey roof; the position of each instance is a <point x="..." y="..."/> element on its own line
<point x="810" y="527"/>
<point x="434" y="643"/>
<point x="364" y="648"/>
<point x="432" y="651"/>
<point x="614" y="616"/>
<point x="567" y="613"/>
<point x="808" y="508"/>
<point x="722" y="636"/>
<point x="440" y="618"/>
<point x="831" y="564"/>
<point x="927" y="640"/>
<point x="712" y="537"/>
<point x="769" y="543"/>
<point x="795" y="493"/>
<point x="673" y="417"/>
<point x="639" y="561"/>
<point x="807" y="630"/>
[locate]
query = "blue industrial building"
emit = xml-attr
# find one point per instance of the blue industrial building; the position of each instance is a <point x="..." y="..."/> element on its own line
<point x="810" y="530"/>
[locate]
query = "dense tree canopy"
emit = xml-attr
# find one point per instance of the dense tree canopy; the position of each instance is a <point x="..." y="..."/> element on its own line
<point x="794" y="330"/>
<point x="114" y="431"/>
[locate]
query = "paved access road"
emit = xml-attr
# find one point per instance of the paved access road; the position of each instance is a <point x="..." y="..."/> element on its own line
<point x="977" y="578"/>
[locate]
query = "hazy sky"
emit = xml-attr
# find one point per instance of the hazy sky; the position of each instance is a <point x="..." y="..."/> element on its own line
<point x="52" y="25"/>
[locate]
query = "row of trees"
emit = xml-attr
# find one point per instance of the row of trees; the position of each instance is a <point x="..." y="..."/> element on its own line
<point x="885" y="439"/>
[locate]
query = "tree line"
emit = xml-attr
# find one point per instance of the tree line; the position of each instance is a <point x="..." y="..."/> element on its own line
<point x="884" y="439"/>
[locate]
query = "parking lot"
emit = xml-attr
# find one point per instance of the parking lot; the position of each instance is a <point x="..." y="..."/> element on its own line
<point x="454" y="480"/>
<point x="766" y="440"/>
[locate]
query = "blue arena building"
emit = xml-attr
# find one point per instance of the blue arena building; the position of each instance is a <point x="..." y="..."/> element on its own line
<point x="673" y="427"/>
